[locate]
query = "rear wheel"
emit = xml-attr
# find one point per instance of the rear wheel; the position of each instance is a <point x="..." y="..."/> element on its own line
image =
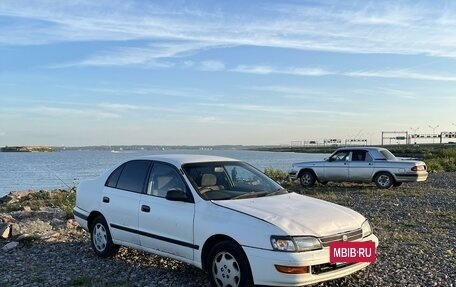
<point x="228" y="266"/>
<point x="384" y="180"/>
<point x="101" y="239"/>
<point x="307" y="179"/>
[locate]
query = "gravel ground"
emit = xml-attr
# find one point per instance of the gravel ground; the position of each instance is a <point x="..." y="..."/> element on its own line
<point x="415" y="224"/>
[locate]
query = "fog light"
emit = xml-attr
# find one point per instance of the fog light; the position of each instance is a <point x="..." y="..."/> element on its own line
<point x="292" y="269"/>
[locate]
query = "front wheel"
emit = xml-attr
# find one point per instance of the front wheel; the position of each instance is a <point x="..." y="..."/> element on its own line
<point x="307" y="179"/>
<point x="229" y="266"/>
<point x="101" y="239"/>
<point x="384" y="180"/>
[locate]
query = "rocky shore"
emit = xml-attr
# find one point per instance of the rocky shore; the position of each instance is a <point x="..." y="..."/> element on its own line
<point x="415" y="223"/>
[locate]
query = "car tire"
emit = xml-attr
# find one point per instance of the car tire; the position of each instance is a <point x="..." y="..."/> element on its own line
<point x="307" y="179"/>
<point x="384" y="180"/>
<point x="101" y="239"/>
<point x="397" y="184"/>
<point x="228" y="266"/>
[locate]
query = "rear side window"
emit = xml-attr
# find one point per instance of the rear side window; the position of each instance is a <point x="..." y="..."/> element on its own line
<point x="133" y="175"/>
<point x="114" y="177"/>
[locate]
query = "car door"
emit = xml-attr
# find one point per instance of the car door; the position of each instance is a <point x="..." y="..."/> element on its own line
<point x="121" y="197"/>
<point x="336" y="167"/>
<point x="167" y="225"/>
<point x="361" y="166"/>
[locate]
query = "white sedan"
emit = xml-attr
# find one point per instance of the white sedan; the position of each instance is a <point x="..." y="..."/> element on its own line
<point x="221" y="215"/>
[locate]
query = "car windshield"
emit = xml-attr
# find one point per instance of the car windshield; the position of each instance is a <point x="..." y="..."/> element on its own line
<point x="230" y="180"/>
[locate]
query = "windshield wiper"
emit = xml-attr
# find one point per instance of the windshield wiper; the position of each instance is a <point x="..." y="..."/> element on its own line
<point x="278" y="191"/>
<point x="251" y="194"/>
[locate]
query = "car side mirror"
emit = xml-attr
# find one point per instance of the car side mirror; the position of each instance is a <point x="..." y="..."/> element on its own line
<point x="176" y="195"/>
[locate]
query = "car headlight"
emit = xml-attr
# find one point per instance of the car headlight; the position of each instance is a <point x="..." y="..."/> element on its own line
<point x="295" y="243"/>
<point x="367" y="230"/>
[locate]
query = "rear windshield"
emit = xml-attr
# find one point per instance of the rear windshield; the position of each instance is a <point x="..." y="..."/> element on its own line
<point x="388" y="155"/>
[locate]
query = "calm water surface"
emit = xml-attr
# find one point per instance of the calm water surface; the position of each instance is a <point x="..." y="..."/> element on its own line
<point x="22" y="171"/>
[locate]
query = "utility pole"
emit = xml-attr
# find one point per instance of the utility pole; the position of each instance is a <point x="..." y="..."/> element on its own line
<point x="433" y="132"/>
<point x="414" y="132"/>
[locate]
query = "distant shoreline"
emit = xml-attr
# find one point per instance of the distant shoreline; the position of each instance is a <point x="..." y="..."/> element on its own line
<point x="26" y="149"/>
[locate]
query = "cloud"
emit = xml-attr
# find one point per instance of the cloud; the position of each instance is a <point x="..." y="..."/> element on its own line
<point x="211" y="66"/>
<point x="282" y="110"/>
<point x="139" y="55"/>
<point x="70" y="112"/>
<point x="284" y="90"/>
<point x="119" y="107"/>
<point x="401" y="74"/>
<point x="407" y="73"/>
<point x="393" y="27"/>
<point x="266" y="70"/>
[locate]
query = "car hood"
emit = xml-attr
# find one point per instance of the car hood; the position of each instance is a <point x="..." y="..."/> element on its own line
<point x="297" y="214"/>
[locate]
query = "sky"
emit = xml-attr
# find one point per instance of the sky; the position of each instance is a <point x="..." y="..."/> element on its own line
<point x="118" y="72"/>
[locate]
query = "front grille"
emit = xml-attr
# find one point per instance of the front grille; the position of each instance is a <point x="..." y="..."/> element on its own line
<point x="351" y="236"/>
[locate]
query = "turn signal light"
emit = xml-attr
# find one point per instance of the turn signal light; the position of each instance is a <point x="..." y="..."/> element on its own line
<point x="292" y="269"/>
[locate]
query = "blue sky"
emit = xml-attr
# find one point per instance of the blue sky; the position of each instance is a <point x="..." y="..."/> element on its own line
<point x="223" y="72"/>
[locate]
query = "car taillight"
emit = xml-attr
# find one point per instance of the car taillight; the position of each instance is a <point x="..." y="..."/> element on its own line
<point x="419" y="168"/>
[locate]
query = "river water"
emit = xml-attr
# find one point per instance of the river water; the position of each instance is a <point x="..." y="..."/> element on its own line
<point x="37" y="170"/>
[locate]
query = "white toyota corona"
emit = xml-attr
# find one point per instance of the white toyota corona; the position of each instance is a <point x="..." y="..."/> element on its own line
<point x="218" y="214"/>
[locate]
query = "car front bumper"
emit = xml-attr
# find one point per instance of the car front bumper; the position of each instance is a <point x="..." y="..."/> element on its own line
<point x="262" y="263"/>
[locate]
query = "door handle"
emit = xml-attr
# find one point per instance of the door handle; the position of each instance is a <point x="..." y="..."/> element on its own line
<point x="105" y="199"/>
<point x="145" y="208"/>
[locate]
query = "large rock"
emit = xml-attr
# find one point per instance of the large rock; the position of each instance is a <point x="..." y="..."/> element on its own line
<point x="15" y="196"/>
<point x="34" y="226"/>
<point x="6" y="230"/>
<point x="72" y="224"/>
<point x="9" y="246"/>
<point x="45" y="236"/>
<point x="44" y="213"/>
<point x="7" y="218"/>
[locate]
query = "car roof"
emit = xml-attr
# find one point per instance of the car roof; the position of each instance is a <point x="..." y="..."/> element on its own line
<point x="180" y="159"/>
<point x="362" y="148"/>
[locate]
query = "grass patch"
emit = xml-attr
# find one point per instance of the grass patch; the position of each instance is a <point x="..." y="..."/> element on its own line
<point x="277" y="174"/>
<point x="443" y="159"/>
